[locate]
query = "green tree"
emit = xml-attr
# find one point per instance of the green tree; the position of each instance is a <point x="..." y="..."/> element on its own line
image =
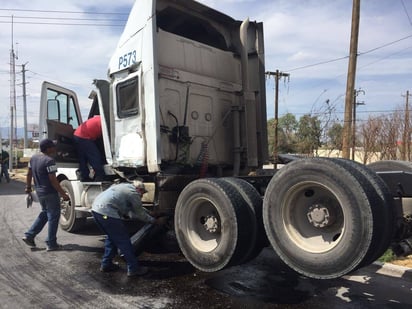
<point x="287" y="135"/>
<point x="287" y="126"/>
<point x="271" y="135"/>
<point x="309" y="134"/>
<point x="335" y="136"/>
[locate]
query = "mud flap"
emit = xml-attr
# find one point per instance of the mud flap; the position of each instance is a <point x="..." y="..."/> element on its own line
<point x="144" y="237"/>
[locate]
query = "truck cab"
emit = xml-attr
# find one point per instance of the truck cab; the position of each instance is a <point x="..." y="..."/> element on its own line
<point x="184" y="109"/>
<point x="185" y="97"/>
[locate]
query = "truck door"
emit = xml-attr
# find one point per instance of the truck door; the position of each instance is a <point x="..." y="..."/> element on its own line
<point x="129" y="146"/>
<point x="59" y="117"/>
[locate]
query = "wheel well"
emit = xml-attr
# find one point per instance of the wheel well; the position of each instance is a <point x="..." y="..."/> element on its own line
<point x="62" y="177"/>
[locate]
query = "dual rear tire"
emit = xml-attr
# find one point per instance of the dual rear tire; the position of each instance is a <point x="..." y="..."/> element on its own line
<point x="216" y="223"/>
<point x="323" y="217"/>
<point x="327" y="217"/>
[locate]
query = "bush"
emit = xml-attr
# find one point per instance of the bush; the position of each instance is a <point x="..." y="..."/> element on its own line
<point x="388" y="256"/>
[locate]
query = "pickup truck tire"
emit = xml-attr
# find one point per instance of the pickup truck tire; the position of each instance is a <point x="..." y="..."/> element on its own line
<point x="254" y="201"/>
<point x="68" y="220"/>
<point x="318" y="217"/>
<point x="382" y="209"/>
<point x="212" y="224"/>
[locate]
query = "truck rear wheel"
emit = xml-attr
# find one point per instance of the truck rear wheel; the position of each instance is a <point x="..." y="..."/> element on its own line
<point x="391" y="165"/>
<point x="254" y="201"/>
<point x="381" y="205"/>
<point x="318" y="218"/>
<point x="212" y="224"/>
<point x="395" y="165"/>
<point x="68" y="220"/>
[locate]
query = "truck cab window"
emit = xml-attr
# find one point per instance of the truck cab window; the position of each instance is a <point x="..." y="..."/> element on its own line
<point x="61" y="108"/>
<point x="128" y="98"/>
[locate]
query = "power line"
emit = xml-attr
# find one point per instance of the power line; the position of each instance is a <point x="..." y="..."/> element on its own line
<point x="61" y="18"/>
<point x="406" y="12"/>
<point x="43" y="20"/>
<point x="345" y="57"/>
<point x="380" y="113"/>
<point x="60" y="24"/>
<point x="385" y="45"/>
<point x="65" y="12"/>
<point x="383" y="58"/>
<point x="319" y="63"/>
<point x="52" y="78"/>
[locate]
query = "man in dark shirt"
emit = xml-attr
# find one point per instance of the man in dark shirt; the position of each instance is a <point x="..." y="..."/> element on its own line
<point x="4" y="160"/>
<point x="42" y="169"/>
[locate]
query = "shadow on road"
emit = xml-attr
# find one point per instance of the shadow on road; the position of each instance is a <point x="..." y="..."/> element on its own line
<point x="72" y="247"/>
<point x="76" y="247"/>
<point x="13" y="187"/>
<point x="161" y="270"/>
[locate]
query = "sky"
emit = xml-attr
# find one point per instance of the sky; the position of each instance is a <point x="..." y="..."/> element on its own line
<point x="307" y="39"/>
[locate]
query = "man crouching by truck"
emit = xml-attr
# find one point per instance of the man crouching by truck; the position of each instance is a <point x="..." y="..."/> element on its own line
<point x="110" y="208"/>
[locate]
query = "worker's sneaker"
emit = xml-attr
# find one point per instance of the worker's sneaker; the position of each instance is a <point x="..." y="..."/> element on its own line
<point x="29" y="241"/>
<point x="142" y="270"/>
<point x="54" y="248"/>
<point x="110" y="268"/>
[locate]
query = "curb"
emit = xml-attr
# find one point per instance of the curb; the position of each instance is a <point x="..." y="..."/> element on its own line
<point x="392" y="270"/>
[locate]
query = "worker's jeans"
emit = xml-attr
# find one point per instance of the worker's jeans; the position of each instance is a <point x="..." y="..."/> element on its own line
<point x="117" y="238"/>
<point x="50" y="212"/>
<point x="5" y="172"/>
<point x="88" y="152"/>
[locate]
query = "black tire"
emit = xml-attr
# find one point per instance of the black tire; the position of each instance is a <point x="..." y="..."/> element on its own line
<point x="318" y="218"/>
<point x="400" y="166"/>
<point x="254" y="201"/>
<point x="391" y="165"/>
<point x="209" y="217"/>
<point x="68" y="220"/>
<point x="382" y="209"/>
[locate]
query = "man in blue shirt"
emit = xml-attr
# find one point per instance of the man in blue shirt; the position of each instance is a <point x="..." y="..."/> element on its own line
<point x="42" y="169"/>
<point x="110" y="209"/>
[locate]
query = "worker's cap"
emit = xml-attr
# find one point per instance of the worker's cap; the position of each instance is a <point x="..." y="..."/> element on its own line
<point x="139" y="185"/>
<point x="45" y="144"/>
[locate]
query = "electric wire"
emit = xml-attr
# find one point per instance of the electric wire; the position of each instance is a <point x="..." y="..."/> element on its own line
<point x="64" y="12"/>
<point x="406" y="12"/>
<point x="346" y="57"/>
<point x="62" y="24"/>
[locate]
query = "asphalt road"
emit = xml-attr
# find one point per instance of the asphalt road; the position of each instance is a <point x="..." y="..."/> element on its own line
<point x="71" y="279"/>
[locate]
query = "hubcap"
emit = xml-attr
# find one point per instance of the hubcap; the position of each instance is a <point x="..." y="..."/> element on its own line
<point x="320" y="216"/>
<point x="202" y="225"/>
<point x="313" y="217"/>
<point x="211" y="224"/>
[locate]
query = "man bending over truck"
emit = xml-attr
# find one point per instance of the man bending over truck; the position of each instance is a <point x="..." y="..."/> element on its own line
<point x="110" y="209"/>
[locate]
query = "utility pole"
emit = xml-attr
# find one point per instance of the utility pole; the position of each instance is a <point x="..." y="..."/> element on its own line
<point x="13" y="123"/>
<point x="355" y="103"/>
<point x="350" y="84"/>
<point x="406" y="138"/>
<point x="277" y="74"/>
<point x="24" y="105"/>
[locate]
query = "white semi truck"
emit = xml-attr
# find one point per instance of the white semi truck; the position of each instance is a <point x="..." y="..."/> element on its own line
<point x="184" y="109"/>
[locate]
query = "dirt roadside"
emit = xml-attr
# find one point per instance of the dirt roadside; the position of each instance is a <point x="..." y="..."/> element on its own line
<point x="20" y="175"/>
<point x="403" y="261"/>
